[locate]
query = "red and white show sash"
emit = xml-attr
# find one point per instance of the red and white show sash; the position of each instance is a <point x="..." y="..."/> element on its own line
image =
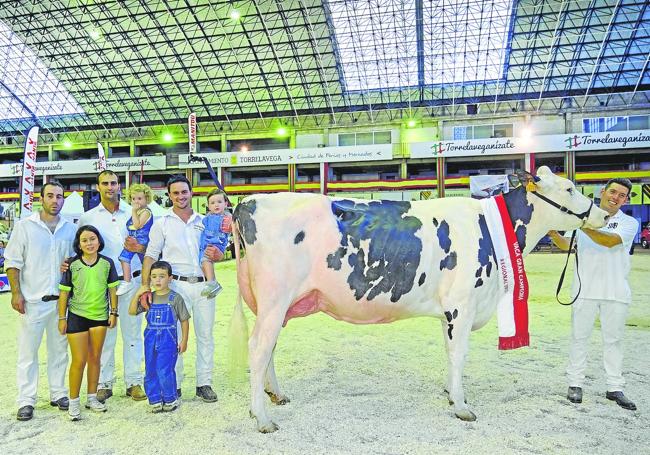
<point x="512" y="309"/>
<point x="29" y="173"/>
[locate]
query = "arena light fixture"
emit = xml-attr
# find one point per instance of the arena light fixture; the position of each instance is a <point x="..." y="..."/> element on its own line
<point x="411" y="123"/>
<point x="167" y="137"/>
<point x="235" y="15"/>
<point x="94" y="34"/>
<point x="67" y="144"/>
<point x="243" y="148"/>
<point x="281" y="131"/>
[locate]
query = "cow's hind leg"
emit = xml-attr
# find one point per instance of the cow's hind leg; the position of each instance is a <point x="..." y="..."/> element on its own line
<point x="260" y="347"/>
<point x="271" y="387"/>
<point x="456" y="334"/>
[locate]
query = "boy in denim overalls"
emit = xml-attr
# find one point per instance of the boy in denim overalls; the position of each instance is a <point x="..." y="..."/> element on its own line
<point x="161" y="343"/>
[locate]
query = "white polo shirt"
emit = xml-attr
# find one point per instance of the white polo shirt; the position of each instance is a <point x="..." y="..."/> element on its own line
<point x="38" y="253"/>
<point x="178" y="242"/>
<point x="112" y="227"/>
<point x="604" y="271"/>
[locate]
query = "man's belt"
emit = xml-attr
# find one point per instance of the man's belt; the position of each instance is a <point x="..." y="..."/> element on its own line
<point x="135" y="274"/>
<point x="189" y="279"/>
<point x="49" y="298"/>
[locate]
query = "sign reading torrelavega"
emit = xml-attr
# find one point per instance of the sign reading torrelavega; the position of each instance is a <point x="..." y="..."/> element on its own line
<point x="294" y="156"/>
<point x="538" y="144"/>
<point x="147" y="163"/>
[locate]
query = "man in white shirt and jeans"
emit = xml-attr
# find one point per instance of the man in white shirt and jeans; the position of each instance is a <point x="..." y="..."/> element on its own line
<point x="604" y="266"/>
<point x="176" y="236"/>
<point x="38" y="245"/>
<point x="110" y="218"/>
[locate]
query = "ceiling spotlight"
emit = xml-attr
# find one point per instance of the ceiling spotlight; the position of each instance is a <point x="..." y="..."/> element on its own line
<point x="67" y="144"/>
<point x="526" y="133"/>
<point x="243" y="149"/>
<point x="281" y="131"/>
<point x="167" y="137"/>
<point x="235" y="15"/>
<point x="94" y="34"/>
<point x="411" y="123"/>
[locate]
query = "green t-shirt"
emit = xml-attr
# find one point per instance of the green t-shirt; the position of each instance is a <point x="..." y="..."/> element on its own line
<point x="88" y="285"/>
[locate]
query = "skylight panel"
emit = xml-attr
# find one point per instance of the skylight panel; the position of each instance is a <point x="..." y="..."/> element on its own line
<point x="27" y="87"/>
<point x="465" y="40"/>
<point x="376" y="43"/>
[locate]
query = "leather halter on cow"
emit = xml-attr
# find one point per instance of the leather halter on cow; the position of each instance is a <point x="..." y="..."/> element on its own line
<point x="379" y="261"/>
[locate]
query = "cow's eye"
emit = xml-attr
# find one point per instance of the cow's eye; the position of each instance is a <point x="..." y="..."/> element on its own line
<point x="570" y="190"/>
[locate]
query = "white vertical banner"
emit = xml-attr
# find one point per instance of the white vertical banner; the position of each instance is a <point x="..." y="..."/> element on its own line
<point x="191" y="132"/>
<point x="29" y="173"/>
<point x="101" y="165"/>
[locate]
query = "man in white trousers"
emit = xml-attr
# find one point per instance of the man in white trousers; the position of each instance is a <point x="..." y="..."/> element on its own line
<point x="38" y="245"/>
<point x="176" y="236"/>
<point x="604" y="266"/>
<point x="110" y="218"/>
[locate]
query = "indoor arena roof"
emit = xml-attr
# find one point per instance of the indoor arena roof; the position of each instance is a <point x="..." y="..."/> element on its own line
<point x="75" y="64"/>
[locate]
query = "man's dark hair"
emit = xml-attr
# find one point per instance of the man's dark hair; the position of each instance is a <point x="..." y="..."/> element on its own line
<point x="621" y="181"/>
<point x="106" y="172"/>
<point x="178" y="178"/>
<point x="76" y="245"/>
<point x="50" y="183"/>
<point x="161" y="265"/>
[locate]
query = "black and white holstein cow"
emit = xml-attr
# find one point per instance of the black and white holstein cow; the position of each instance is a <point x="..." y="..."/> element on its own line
<point x="369" y="262"/>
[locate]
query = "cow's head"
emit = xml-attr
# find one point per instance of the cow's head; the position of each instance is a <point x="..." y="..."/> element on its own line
<point x="566" y="207"/>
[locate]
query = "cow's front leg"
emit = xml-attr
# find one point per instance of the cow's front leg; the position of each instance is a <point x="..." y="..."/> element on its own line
<point x="272" y="388"/>
<point x="456" y="331"/>
<point x="260" y="347"/>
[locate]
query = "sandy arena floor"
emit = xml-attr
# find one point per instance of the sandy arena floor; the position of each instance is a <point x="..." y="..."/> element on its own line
<point x="370" y="389"/>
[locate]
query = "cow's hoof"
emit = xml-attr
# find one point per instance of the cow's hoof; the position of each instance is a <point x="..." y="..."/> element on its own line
<point x="278" y="399"/>
<point x="466" y="415"/>
<point x="269" y="427"/>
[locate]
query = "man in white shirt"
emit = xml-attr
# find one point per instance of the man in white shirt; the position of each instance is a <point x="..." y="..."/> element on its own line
<point x="38" y="245"/>
<point x="110" y="218"/>
<point x="176" y="236"/>
<point x="604" y="266"/>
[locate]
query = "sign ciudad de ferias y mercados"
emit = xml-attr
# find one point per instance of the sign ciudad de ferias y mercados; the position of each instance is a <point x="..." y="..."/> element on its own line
<point x="294" y="156"/>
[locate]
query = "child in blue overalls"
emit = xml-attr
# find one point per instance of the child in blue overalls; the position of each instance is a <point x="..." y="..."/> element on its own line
<point x="161" y="343"/>
<point x="213" y="235"/>
<point x="138" y="226"/>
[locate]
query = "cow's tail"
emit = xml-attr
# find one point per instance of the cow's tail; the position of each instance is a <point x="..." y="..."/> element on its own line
<point x="238" y="333"/>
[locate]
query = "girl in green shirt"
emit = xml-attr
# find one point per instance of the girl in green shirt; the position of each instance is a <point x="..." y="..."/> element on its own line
<point x="87" y="306"/>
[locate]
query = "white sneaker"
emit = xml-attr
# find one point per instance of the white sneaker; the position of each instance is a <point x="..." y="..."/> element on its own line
<point x="74" y="411"/>
<point x="156" y="408"/>
<point x="95" y="405"/>
<point x="124" y="287"/>
<point x="169" y="407"/>
<point x="211" y="289"/>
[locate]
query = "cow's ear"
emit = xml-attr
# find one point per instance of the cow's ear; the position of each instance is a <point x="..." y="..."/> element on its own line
<point x="544" y="178"/>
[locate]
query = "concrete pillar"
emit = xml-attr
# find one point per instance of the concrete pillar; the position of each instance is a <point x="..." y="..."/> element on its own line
<point x="440" y="174"/>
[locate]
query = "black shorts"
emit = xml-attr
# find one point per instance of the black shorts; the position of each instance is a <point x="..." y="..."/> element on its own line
<point x="78" y="324"/>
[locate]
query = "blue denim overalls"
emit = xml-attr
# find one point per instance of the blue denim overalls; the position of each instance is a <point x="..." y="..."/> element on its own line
<point x="212" y="234"/>
<point x="141" y="235"/>
<point x="161" y="352"/>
